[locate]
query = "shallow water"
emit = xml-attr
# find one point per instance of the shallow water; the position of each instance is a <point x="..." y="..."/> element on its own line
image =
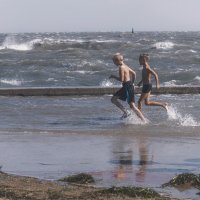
<point x="52" y="137"/>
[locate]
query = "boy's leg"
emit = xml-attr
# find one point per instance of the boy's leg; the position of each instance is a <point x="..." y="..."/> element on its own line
<point x="115" y="101"/>
<point x="142" y="97"/>
<point x="154" y="103"/>
<point x="137" y="111"/>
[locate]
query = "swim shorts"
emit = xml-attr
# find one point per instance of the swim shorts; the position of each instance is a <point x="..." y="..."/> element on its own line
<point x="126" y="93"/>
<point x="147" y="88"/>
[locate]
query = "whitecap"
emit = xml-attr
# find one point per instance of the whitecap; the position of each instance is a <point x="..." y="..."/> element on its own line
<point x="11" y="82"/>
<point x="164" y="45"/>
<point x="170" y="83"/>
<point x="106" y="83"/>
<point x="197" y="78"/>
<point x="11" y="42"/>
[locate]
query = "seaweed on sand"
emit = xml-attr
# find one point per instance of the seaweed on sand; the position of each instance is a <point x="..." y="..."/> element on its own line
<point x="79" y="178"/>
<point x="183" y="179"/>
<point x="130" y="192"/>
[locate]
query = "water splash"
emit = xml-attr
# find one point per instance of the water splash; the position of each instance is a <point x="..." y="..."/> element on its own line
<point x="186" y="120"/>
<point x="12" y="43"/>
<point x="134" y="119"/>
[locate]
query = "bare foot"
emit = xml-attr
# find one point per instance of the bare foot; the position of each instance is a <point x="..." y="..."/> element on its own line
<point x="165" y="105"/>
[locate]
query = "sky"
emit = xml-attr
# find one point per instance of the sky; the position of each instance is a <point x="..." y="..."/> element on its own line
<point x="98" y="15"/>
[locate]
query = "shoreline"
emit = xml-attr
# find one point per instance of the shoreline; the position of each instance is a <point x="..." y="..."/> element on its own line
<point x="24" y="187"/>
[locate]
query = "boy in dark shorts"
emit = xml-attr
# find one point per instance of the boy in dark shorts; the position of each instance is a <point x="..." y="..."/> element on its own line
<point x="127" y="77"/>
<point x="147" y="72"/>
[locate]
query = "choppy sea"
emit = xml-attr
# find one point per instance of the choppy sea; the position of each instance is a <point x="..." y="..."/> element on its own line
<point x="83" y="59"/>
<point x="34" y="130"/>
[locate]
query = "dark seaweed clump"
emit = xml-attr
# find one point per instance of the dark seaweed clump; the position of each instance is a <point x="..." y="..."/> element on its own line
<point x="182" y="179"/>
<point x="131" y="192"/>
<point x="79" y="178"/>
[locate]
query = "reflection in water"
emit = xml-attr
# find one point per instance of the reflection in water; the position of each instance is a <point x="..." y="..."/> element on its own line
<point x="126" y="164"/>
<point x="143" y="160"/>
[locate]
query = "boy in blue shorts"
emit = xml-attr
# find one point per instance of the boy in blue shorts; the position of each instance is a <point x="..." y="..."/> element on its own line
<point x="127" y="77"/>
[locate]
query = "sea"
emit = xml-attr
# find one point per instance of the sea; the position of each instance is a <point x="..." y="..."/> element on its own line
<point x="52" y="137"/>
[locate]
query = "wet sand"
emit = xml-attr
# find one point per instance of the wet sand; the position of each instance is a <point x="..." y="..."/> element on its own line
<point x="18" y="187"/>
<point x="114" y="158"/>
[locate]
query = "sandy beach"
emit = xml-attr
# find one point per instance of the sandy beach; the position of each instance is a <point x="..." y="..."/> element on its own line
<point x="146" y="159"/>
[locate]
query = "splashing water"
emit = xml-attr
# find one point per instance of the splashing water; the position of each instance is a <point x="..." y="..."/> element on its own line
<point x="133" y="119"/>
<point x="186" y="120"/>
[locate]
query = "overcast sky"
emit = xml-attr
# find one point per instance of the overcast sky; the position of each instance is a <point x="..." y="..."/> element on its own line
<point x="99" y="15"/>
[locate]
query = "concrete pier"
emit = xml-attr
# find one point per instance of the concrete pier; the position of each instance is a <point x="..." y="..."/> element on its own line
<point x="73" y="91"/>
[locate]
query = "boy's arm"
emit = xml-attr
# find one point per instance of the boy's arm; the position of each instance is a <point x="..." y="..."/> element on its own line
<point x="133" y="75"/>
<point x="156" y="77"/>
<point x="139" y="84"/>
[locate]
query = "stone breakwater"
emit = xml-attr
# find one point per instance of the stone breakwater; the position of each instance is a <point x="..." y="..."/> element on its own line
<point x="92" y="90"/>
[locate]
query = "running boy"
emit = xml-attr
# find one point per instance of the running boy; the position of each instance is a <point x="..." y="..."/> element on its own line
<point x="147" y="72"/>
<point x="127" y="77"/>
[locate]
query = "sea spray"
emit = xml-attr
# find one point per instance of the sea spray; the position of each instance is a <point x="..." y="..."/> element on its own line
<point x="134" y="119"/>
<point x="174" y="114"/>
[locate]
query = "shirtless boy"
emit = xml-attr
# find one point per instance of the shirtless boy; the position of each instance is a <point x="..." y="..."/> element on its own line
<point x="147" y="72"/>
<point x="127" y="77"/>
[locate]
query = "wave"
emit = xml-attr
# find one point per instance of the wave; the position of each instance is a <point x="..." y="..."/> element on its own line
<point x="197" y="78"/>
<point x="106" y="83"/>
<point x="11" y="82"/>
<point x="170" y="83"/>
<point x="13" y="43"/>
<point x="164" y="45"/>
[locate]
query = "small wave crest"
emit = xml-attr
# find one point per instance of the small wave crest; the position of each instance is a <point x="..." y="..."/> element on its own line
<point x="186" y="120"/>
<point x="197" y="78"/>
<point x="170" y="83"/>
<point x="164" y="45"/>
<point x="11" y="82"/>
<point x="106" y="83"/>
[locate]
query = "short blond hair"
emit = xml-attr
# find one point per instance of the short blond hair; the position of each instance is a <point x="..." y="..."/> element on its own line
<point x="118" y="56"/>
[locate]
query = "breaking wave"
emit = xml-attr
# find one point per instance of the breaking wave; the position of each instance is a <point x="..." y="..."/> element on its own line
<point x="170" y="83"/>
<point x="12" y="43"/>
<point x="197" y="78"/>
<point x="106" y="83"/>
<point x="13" y="82"/>
<point x="164" y="45"/>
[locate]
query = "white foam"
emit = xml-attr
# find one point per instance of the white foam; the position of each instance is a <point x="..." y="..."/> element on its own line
<point x="170" y="83"/>
<point x="11" y="42"/>
<point x="106" y="83"/>
<point x="164" y="45"/>
<point x="11" y="82"/>
<point x="197" y="78"/>
<point x="186" y="120"/>
<point x="134" y="119"/>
